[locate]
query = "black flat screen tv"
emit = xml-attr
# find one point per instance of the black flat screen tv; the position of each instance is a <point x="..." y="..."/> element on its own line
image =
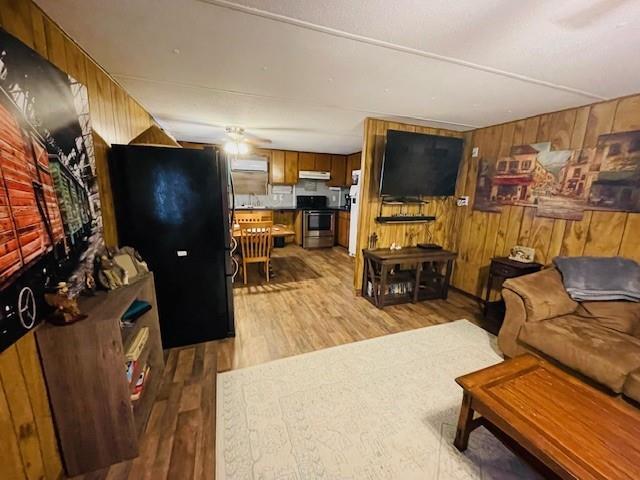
<point x="418" y="164"/>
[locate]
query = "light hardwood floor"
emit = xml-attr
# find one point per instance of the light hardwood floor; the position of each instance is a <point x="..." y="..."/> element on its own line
<point x="309" y="305"/>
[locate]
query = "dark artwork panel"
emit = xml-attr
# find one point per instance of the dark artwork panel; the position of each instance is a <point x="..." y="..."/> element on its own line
<point x="50" y="220"/>
<point x="483" y="200"/>
<point x="616" y="177"/>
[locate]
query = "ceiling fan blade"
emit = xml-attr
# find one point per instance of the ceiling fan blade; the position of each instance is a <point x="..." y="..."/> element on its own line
<point x="253" y="138"/>
<point x="283" y="129"/>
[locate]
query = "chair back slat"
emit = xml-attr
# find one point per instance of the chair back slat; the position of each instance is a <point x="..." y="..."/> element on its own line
<point x="255" y="240"/>
<point x="253" y="217"/>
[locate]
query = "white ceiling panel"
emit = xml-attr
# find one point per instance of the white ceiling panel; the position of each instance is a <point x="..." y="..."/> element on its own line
<point x="574" y="43"/>
<point x="305" y="73"/>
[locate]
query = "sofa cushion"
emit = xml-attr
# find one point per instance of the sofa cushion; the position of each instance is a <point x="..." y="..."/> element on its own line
<point x="632" y="386"/>
<point x="636" y="332"/>
<point x="543" y="294"/>
<point x="599" y="353"/>
<point x="623" y="317"/>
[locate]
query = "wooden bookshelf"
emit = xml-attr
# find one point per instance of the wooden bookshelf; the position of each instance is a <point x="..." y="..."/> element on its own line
<point x="84" y="365"/>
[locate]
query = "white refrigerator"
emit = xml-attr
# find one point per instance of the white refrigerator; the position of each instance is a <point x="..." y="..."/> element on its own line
<point x="354" y="194"/>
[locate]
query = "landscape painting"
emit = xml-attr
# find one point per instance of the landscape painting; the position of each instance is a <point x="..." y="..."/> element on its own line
<point x="563" y="183"/>
<point x="615" y="173"/>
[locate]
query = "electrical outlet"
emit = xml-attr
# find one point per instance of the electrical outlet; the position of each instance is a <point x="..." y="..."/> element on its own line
<point x="475" y="152"/>
<point x="275" y="197"/>
<point x="462" y="201"/>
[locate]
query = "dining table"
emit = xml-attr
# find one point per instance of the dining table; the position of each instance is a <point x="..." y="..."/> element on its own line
<point x="276" y="231"/>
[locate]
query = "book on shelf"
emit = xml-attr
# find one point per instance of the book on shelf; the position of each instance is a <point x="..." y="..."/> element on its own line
<point x="137" y="344"/>
<point x="135" y="311"/>
<point x="130" y="367"/>
<point x="140" y="383"/>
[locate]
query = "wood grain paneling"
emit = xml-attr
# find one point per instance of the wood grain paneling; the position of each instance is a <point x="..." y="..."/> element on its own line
<point x="478" y="236"/>
<point x="154" y="135"/>
<point x="485" y="234"/>
<point x="29" y="445"/>
<point x="404" y="234"/>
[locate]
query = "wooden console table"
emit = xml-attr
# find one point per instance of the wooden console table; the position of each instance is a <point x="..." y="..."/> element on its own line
<point x="427" y="278"/>
<point x="562" y="426"/>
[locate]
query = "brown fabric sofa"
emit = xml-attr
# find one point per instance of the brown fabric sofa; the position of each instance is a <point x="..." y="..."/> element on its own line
<point x="599" y="340"/>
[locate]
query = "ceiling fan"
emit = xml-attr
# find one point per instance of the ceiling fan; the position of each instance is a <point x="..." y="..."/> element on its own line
<point x="239" y="141"/>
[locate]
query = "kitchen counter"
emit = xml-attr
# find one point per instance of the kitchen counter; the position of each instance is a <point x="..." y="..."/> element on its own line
<point x="292" y="209"/>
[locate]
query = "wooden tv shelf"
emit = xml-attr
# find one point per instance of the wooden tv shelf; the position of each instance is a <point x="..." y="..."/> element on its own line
<point x="84" y="365"/>
<point x="405" y="219"/>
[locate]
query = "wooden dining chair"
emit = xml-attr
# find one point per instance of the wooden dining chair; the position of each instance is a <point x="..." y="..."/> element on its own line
<point x="255" y="243"/>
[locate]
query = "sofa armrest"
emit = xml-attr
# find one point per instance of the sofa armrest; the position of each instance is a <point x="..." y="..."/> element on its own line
<point x="514" y="319"/>
<point x="543" y="295"/>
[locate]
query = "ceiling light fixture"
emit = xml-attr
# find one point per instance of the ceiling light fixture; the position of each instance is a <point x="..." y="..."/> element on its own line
<point x="236" y="147"/>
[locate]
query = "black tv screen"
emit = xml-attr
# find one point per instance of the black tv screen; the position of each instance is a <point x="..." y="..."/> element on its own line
<point x="417" y="164"/>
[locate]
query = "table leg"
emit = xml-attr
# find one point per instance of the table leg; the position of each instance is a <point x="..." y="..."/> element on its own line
<point x="447" y="280"/>
<point x="416" y="287"/>
<point x="487" y="294"/>
<point x="365" y="277"/>
<point x="372" y="278"/>
<point x="465" y="424"/>
<point x="383" y="285"/>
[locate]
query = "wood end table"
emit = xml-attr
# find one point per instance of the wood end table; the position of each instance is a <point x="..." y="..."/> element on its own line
<point x="501" y="269"/>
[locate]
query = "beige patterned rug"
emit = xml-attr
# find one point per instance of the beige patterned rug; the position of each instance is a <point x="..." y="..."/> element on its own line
<point x="379" y="409"/>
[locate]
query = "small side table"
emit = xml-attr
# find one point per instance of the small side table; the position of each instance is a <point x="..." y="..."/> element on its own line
<point x="502" y="268"/>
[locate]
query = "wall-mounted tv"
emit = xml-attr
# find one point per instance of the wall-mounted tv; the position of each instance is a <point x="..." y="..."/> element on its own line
<point x="417" y="164"/>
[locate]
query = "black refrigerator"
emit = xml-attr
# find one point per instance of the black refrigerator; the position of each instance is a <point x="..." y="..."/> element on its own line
<point x="172" y="205"/>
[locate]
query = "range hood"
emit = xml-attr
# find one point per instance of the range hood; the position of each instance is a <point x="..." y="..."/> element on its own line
<point x="251" y="164"/>
<point x="313" y="175"/>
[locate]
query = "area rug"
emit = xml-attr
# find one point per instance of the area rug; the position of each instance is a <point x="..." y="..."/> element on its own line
<point x="379" y="409"/>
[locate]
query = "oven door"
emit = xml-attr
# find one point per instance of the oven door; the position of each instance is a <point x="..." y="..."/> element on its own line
<point x="318" y="223"/>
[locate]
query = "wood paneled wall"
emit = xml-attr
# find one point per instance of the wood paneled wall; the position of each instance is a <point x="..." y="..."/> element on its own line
<point x="29" y="447"/>
<point x="479" y="236"/>
<point x="441" y="231"/>
<point x="483" y="235"/>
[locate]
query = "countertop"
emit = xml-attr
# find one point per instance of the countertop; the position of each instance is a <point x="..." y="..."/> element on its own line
<point x="293" y="209"/>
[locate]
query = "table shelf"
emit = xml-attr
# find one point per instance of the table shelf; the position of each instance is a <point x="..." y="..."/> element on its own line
<point x="427" y="279"/>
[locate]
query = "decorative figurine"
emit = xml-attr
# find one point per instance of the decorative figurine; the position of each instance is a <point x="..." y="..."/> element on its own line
<point x="66" y="309"/>
<point x="373" y="240"/>
<point x="89" y="285"/>
<point x="119" y="267"/>
<point x="111" y="275"/>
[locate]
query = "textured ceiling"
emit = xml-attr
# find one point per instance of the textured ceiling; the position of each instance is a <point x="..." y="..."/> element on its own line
<point x="305" y="73"/>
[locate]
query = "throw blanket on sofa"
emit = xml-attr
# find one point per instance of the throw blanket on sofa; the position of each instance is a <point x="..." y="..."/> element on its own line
<point x="600" y="278"/>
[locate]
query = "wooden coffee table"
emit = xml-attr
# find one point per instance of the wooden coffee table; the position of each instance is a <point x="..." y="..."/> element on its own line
<point x="562" y="426"/>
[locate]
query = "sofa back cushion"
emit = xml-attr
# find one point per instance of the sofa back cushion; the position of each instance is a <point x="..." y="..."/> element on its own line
<point x="621" y="316"/>
<point x="543" y="294"/>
